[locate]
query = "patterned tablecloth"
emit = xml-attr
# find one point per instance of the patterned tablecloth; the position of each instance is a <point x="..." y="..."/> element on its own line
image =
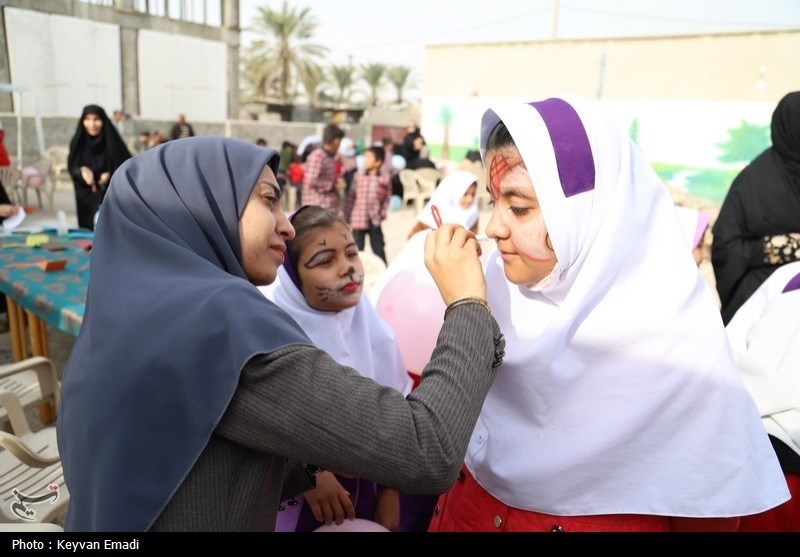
<point x="58" y="296"/>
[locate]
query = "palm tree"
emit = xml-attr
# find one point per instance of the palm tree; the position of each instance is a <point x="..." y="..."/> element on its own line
<point x="342" y="76"/>
<point x="258" y="73"/>
<point x="398" y="76"/>
<point x="285" y="53"/>
<point x="373" y="75"/>
<point x="311" y="78"/>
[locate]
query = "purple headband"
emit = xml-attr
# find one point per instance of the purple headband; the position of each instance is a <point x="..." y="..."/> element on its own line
<point x="287" y="263"/>
<point x="570" y="143"/>
<point x="793" y="284"/>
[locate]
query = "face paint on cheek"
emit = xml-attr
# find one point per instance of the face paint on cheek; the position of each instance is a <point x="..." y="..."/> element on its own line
<point x="502" y="164"/>
<point x="530" y="239"/>
<point x="335" y="291"/>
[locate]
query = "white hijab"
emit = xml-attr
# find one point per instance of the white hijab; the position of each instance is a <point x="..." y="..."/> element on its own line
<point x="447" y="198"/>
<point x="753" y="308"/>
<point x="356" y="337"/>
<point x="770" y="360"/>
<point x="618" y="392"/>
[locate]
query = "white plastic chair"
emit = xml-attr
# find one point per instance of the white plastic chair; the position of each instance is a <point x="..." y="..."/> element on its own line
<point x="428" y="179"/>
<point x="34" y="382"/>
<point x="36" y="177"/>
<point x="59" y="173"/>
<point x="32" y="486"/>
<point x="409" y="179"/>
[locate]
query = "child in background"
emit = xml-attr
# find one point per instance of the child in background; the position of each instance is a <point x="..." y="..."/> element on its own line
<point x="320" y="285"/>
<point x="456" y="199"/>
<point x="367" y="202"/>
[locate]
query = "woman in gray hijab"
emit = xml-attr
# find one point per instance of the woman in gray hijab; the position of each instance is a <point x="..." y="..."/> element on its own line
<point x="187" y="390"/>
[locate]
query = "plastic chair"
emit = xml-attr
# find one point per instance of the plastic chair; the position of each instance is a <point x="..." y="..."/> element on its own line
<point x="59" y="173"/>
<point x="10" y="177"/>
<point x="409" y="179"/>
<point x="32" y="487"/>
<point x="428" y="179"/>
<point x="34" y="382"/>
<point x="37" y="178"/>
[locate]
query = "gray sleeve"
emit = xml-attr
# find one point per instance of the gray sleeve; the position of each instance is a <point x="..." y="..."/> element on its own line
<point x="298" y="403"/>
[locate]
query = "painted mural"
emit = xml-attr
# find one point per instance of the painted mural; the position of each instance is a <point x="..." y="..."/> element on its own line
<point x="696" y="146"/>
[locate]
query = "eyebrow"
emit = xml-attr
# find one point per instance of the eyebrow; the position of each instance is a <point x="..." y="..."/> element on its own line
<point x="274" y="185"/>
<point x="312" y="261"/>
<point x="513" y="191"/>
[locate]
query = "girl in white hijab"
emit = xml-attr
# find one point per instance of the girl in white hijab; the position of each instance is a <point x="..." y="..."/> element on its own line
<point x="765" y="336"/>
<point x="456" y="201"/>
<point x="618" y="406"/>
<point x="321" y="286"/>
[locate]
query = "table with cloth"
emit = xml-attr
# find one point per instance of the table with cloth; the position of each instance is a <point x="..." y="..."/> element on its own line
<point x="37" y="297"/>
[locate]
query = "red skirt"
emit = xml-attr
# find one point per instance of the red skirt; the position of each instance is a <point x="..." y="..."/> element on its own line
<point x="467" y="507"/>
<point x="783" y="518"/>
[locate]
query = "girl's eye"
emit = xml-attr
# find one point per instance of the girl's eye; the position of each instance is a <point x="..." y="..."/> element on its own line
<point x="519" y="211"/>
<point x="351" y="254"/>
<point x="490" y="202"/>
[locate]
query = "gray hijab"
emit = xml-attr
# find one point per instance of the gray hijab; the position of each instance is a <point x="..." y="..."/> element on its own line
<point x="170" y="322"/>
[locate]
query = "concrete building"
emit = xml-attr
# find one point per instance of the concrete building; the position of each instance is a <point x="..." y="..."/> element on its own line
<point x="686" y="100"/>
<point x="153" y="59"/>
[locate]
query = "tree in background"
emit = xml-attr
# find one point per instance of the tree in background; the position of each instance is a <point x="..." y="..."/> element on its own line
<point x="275" y="64"/>
<point x="342" y="76"/>
<point x="373" y="74"/>
<point x="745" y="142"/>
<point x="312" y="78"/>
<point x="398" y="77"/>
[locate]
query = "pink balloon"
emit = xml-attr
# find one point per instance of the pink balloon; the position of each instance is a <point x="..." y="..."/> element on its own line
<point x="411" y="305"/>
<point x="355" y="525"/>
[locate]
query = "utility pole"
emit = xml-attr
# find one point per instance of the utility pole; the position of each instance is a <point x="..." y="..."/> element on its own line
<point x="554" y="21"/>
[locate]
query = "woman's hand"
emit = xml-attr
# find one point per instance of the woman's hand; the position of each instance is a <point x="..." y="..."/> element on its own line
<point x="452" y="256"/>
<point x="104" y="178"/>
<point x="88" y="177"/>
<point x="8" y="210"/>
<point x="329" y="501"/>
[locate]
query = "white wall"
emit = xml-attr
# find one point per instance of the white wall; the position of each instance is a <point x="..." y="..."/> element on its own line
<point x="69" y="62"/>
<point x="182" y="75"/>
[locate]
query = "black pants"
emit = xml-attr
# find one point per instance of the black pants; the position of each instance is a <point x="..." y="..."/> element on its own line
<point x="375" y="240"/>
<point x="86" y="203"/>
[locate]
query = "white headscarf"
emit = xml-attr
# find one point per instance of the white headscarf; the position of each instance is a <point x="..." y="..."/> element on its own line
<point x="770" y="360"/>
<point x="753" y="308"/>
<point x="356" y="337"/>
<point x="447" y="198"/>
<point x="618" y="392"/>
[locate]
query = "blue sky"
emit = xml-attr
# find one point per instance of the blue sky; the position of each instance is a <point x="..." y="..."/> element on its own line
<point x="374" y="31"/>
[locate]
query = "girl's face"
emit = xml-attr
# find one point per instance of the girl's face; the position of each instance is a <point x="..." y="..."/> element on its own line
<point x="330" y="269"/>
<point x="264" y="230"/>
<point x="468" y="197"/>
<point x="517" y="223"/>
<point x="93" y="124"/>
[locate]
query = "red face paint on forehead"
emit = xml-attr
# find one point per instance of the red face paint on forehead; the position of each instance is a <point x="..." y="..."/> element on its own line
<point x="502" y="164"/>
